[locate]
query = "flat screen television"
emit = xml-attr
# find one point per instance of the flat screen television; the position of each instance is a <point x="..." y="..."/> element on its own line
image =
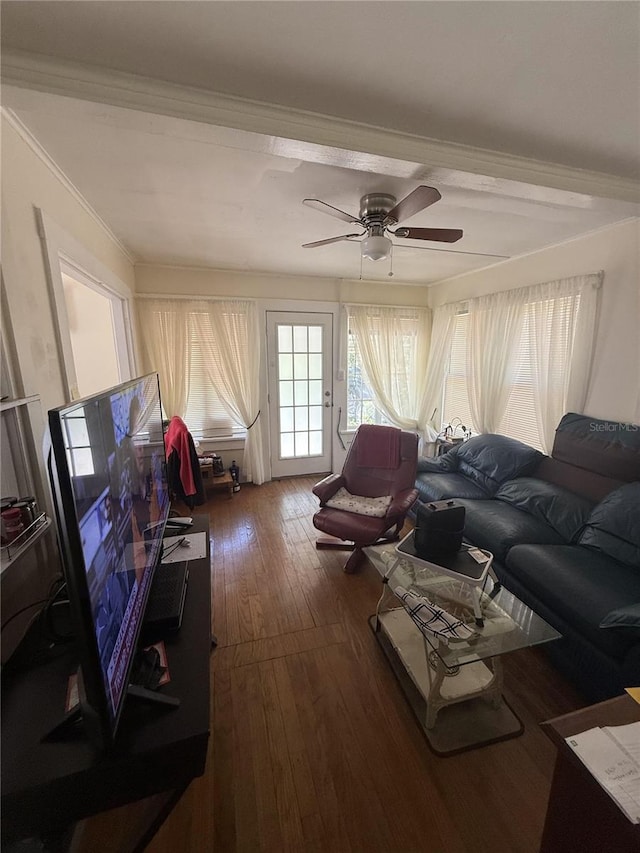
<point x="107" y="468"/>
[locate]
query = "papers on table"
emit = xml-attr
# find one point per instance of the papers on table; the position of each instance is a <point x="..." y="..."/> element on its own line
<point x="175" y="553"/>
<point x="634" y="692"/>
<point x="612" y="755"/>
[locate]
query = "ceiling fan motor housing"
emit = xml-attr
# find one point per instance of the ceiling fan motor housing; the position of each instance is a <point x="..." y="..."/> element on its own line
<point x="374" y="209"/>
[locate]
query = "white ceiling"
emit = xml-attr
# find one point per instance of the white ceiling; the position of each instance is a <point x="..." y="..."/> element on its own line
<point x="559" y="82"/>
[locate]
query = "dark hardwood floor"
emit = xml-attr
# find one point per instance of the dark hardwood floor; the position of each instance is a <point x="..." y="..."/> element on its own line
<point x="313" y="746"/>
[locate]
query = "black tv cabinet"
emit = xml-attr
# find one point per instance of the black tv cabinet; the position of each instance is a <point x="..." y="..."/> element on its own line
<point x="49" y="786"/>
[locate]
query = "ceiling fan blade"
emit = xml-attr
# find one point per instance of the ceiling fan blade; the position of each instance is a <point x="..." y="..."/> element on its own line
<point x="416" y="201"/>
<point x="440" y="235"/>
<point x="323" y="207"/>
<point x="329" y="240"/>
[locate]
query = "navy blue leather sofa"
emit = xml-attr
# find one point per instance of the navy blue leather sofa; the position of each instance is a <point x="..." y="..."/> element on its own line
<point x="565" y="533"/>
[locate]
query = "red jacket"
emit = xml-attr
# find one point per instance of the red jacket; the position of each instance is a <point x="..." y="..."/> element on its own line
<point x="178" y="437"/>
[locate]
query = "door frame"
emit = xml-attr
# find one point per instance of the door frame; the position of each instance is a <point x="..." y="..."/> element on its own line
<point x="304" y="465"/>
<point x="299" y="306"/>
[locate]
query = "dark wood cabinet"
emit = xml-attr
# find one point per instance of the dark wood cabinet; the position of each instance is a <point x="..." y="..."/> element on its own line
<point x="46" y="787"/>
<point x="581" y="816"/>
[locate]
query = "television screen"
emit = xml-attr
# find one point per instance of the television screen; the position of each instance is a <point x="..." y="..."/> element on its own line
<point x="112" y="502"/>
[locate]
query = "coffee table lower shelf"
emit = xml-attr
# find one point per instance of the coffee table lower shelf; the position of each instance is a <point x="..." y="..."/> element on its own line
<point x="467" y="709"/>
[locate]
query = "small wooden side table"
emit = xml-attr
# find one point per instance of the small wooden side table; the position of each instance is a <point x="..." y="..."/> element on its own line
<point x="580" y="814"/>
<point x="222" y="481"/>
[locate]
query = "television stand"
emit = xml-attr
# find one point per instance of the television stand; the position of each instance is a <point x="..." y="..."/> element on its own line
<point x="134" y="691"/>
<point x="70" y="725"/>
<point x="47" y="788"/>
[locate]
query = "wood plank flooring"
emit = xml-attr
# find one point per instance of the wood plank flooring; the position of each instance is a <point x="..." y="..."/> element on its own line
<point x="313" y="746"/>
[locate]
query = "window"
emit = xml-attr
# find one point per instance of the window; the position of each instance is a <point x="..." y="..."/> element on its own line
<point x="361" y="406"/>
<point x="387" y="345"/>
<point x="455" y="405"/>
<point x="76" y="442"/>
<point x="300" y="389"/>
<point x="519" y="420"/>
<point x="205" y="416"/>
<point x="200" y="348"/>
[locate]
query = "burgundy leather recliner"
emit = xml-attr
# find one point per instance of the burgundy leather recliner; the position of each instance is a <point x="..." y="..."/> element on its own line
<point x="381" y="462"/>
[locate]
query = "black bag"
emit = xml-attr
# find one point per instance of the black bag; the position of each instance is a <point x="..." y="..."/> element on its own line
<point x="439" y="529"/>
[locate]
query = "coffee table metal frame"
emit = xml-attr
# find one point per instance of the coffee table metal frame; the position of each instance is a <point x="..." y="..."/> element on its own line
<point x="476" y="585"/>
<point x="442" y="674"/>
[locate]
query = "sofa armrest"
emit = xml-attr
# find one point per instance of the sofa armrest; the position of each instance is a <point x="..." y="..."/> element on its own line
<point x="402" y="503"/>
<point x="326" y="489"/>
<point x="440" y="464"/>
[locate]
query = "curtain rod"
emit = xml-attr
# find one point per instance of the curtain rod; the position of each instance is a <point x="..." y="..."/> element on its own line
<point x="374" y="305"/>
<point x="192" y="298"/>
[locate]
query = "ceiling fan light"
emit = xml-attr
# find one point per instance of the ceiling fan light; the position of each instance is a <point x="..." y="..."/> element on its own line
<point x="376" y="248"/>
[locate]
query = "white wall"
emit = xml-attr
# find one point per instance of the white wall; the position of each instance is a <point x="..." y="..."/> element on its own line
<point x="615" y="382"/>
<point x="28" y="183"/>
<point x="190" y="281"/>
<point x="29" y="331"/>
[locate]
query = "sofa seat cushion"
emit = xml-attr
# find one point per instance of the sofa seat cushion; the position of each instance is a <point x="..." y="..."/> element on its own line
<point x="613" y="528"/>
<point x="624" y="619"/>
<point x="496" y="526"/>
<point x="565" y="511"/>
<point x="581" y="586"/>
<point x="438" y="487"/>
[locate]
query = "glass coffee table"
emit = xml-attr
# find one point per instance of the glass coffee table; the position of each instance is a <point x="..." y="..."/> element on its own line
<point x="453" y="686"/>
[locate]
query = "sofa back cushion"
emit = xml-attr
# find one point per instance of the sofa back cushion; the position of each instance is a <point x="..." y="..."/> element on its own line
<point x="614" y="526"/>
<point x="606" y="447"/>
<point x="488" y="460"/>
<point x="595" y="487"/>
<point x="563" y="510"/>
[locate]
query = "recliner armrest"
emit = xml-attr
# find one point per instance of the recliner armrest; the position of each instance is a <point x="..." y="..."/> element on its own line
<point x="326" y="489"/>
<point x="402" y="503"/>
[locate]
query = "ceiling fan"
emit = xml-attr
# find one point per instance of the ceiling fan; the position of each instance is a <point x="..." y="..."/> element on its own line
<point x="379" y="214"/>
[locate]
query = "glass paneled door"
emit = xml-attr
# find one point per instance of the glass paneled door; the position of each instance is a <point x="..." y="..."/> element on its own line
<point x="300" y="392"/>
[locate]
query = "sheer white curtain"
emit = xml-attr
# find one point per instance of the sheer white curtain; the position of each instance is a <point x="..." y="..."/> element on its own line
<point x="393" y="344"/>
<point x="495" y="328"/>
<point x="229" y="335"/>
<point x="562" y="318"/>
<point x="430" y="412"/>
<point x="163" y="325"/>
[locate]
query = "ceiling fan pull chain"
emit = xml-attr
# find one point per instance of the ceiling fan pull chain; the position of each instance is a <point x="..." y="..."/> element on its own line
<point x="391" y="261"/>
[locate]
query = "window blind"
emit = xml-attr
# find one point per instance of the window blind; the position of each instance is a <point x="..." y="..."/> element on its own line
<point x="555" y="336"/>
<point x="205" y="416"/>
<point x="519" y="420"/>
<point x="456" y="397"/>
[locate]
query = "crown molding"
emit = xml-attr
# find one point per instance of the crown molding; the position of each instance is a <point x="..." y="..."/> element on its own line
<point x="25" y="134"/>
<point x="102" y="85"/>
